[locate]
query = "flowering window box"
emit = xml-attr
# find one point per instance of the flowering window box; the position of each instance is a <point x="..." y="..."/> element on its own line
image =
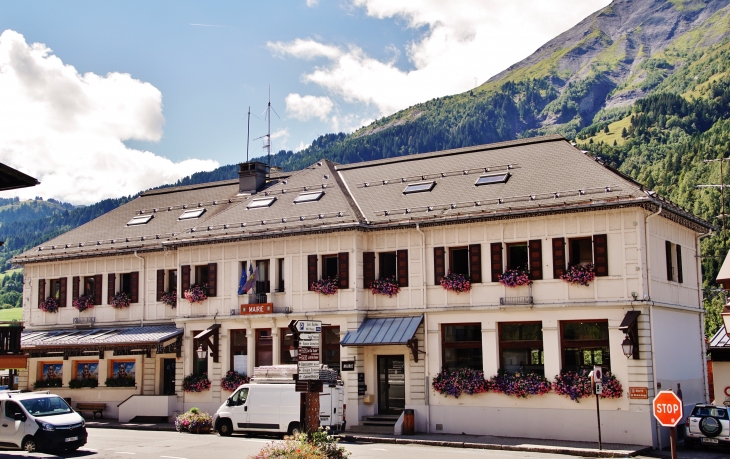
<point x="120" y="301"/>
<point x="388" y="287"/>
<point x="196" y="294"/>
<point x="519" y="384"/>
<point x="83" y="302"/>
<point x="196" y="383"/>
<point x="462" y="380"/>
<point x="170" y="298"/>
<point x="232" y="380"/>
<point x="455" y="282"/>
<point x="327" y="286"/>
<point x="580" y="274"/>
<point x="514" y="278"/>
<point x="50" y="304"/>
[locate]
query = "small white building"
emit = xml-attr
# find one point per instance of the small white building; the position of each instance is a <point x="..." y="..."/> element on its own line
<point x="537" y="205"/>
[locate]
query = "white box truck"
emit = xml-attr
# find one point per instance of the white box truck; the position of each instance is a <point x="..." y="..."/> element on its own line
<point x="271" y="405"/>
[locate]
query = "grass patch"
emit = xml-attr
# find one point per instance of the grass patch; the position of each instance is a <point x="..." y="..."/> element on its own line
<point x="10" y="271"/>
<point x="11" y="314"/>
<point x="614" y="133"/>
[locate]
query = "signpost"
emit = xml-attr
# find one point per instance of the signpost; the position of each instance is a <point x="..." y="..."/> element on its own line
<point x="306" y="337"/>
<point x="597" y="383"/>
<point x="668" y="411"/>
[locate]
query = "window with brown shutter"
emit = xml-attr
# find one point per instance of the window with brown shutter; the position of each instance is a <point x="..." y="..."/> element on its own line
<point x="110" y="286"/>
<point x="212" y="279"/>
<point x="439" y="264"/>
<point x="75" y="287"/>
<point x="311" y="271"/>
<point x="670" y="268"/>
<point x="343" y="272"/>
<point x="97" y="288"/>
<point x="475" y="263"/>
<point x="62" y="295"/>
<point x="184" y="279"/>
<point x="41" y="291"/>
<point x="402" y="260"/>
<point x="535" y="247"/>
<point x="600" y="254"/>
<point x="134" y="287"/>
<point x="160" y="284"/>
<point x="495" y="259"/>
<point x="680" y="276"/>
<point x="368" y="269"/>
<point x="558" y="257"/>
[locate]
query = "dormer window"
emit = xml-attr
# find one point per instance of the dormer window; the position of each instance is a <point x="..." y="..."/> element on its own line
<point x="309" y="197"/>
<point x="492" y="178"/>
<point x="262" y="202"/>
<point x="192" y="213"/>
<point x="139" y="220"/>
<point x="419" y="187"/>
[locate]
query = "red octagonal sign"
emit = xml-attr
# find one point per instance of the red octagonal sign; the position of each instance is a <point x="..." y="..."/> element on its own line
<point x="668" y="408"/>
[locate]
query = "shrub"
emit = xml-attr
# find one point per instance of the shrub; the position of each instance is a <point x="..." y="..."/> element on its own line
<point x="320" y="445"/>
<point x="196" y="383"/>
<point x="79" y="383"/>
<point x="55" y="382"/>
<point x="120" y="382"/>
<point x="120" y="300"/>
<point x="193" y="421"/>
<point x="232" y="380"/>
<point x="455" y="282"/>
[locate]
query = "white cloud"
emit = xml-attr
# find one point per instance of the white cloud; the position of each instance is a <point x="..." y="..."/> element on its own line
<point x="312" y="3"/>
<point x="463" y="40"/>
<point x="307" y="107"/>
<point x="67" y="129"/>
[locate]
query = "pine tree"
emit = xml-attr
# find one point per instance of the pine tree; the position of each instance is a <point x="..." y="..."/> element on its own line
<point x="606" y="129"/>
<point x="624" y="133"/>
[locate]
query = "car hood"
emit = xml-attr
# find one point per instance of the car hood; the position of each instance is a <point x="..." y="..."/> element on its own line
<point x="62" y="419"/>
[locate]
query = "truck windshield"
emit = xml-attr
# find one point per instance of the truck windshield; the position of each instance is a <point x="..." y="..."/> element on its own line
<point x="239" y="398"/>
<point x="46" y="406"/>
<point x="710" y="411"/>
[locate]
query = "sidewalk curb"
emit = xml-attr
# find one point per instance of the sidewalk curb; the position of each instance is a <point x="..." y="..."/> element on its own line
<point x="132" y="427"/>
<point x="583" y="452"/>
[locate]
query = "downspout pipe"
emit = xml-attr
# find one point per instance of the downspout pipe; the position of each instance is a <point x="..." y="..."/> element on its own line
<point x="651" y="315"/>
<point x="144" y="287"/>
<point x="425" y="326"/>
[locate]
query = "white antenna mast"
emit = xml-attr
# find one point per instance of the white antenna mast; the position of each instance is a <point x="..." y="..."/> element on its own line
<point x="267" y="136"/>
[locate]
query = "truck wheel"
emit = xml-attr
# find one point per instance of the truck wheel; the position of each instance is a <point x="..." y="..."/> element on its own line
<point x="29" y="445"/>
<point x="294" y="429"/>
<point x="225" y="427"/>
<point x="710" y="426"/>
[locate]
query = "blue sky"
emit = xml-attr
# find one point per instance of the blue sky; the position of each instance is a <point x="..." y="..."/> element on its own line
<point x="194" y="68"/>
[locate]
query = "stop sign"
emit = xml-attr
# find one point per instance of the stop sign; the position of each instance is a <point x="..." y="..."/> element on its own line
<point x="667" y="408"/>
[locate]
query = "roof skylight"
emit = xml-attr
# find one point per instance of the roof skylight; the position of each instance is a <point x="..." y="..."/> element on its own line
<point x="493" y="178"/>
<point x="309" y="197"/>
<point x="192" y="213"/>
<point x="419" y="187"/>
<point x="139" y="220"/>
<point x="261" y="202"/>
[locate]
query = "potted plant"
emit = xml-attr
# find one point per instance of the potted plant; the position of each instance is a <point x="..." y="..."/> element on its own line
<point x="581" y="274"/>
<point x="83" y="302"/>
<point x="120" y="382"/>
<point x="50" y="304"/>
<point x="232" y="380"/>
<point x="79" y="383"/>
<point x="196" y="294"/>
<point x="170" y="298"/>
<point x="455" y="282"/>
<point x="194" y="422"/>
<point x="388" y="286"/>
<point x="327" y="286"/>
<point x="196" y="383"/>
<point x="514" y="277"/>
<point x="120" y="300"/>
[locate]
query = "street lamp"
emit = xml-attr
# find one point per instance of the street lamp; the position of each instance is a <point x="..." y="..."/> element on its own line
<point x="726" y="318"/>
<point x="293" y="352"/>
<point x="627" y="346"/>
<point x="201" y="352"/>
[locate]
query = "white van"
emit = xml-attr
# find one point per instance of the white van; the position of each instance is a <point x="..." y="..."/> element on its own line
<point x="275" y="408"/>
<point x="38" y="421"/>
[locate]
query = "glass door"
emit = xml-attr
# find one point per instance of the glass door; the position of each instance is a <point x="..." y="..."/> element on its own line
<point x="391" y="384"/>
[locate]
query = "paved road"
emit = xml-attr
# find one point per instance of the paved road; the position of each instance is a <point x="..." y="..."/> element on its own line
<point x="135" y="444"/>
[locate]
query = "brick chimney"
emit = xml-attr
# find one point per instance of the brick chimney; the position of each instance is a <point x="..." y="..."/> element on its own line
<point x="251" y="177"/>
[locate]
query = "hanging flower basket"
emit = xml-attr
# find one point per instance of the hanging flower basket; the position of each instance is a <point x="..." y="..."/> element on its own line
<point x="196" y="294"/>
<point x="463" y="380"/>
<point x="83" y="303"/>
<point x="194" y="422"/>
<point x="120" y="300"/>
<point x="196" y="383"/>
<point x="388" y="287"/>
<point x="572" y="384"/>
<point x="519" y="384"/>
<point x="514" y="278"/>
<point x="170" y="298"/>
<point x="327" y="286"/>
<point x="580" y="274"/>
<point x="455" y="282"/>
<point x="232" y="380"/>
<point x="50" y="304"/>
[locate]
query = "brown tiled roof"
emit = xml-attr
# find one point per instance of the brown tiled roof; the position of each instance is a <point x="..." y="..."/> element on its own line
<point x="152" y="334"/>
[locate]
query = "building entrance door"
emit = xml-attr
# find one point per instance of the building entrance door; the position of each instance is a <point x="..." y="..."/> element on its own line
<point x="168" y="377"/>
<point x="391" y="384"/>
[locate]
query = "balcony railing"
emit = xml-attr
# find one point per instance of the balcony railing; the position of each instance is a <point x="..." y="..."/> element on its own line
<point x="515" y="300"/>
<point x="257" y="298"/>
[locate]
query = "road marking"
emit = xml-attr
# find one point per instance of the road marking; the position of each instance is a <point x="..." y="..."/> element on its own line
<point x="378" y="449"/>
<point x="173" y="457"/>
<point x="123" y="452"/>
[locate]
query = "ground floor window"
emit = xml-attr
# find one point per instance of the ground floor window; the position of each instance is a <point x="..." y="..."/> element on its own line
<point x="462" y="346"/>
<point x="331" y="347"/>
<point x="521" y="348"/>
<point x="585" y="344"/>
<point x="287" y="344"/>
<point x="264" y="347"/>
<point x="239" y="351"/>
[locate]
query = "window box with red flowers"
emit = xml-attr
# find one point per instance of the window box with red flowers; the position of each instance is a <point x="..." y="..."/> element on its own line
<point x="232" y="380"/>
<point x="170" y="298"/>
<point x="120" y="301"/>
<point x="83" y="302"/>
<point x="327" y="286"/>
<point x="388" y="287"/>
<point x="196" y="383"/>
<point x="50" y="304"/>
<point x="196" y="294"/>
<point x="455" y="282"/>
<point x="514" y="278"/>
<point x="581" y="274"/>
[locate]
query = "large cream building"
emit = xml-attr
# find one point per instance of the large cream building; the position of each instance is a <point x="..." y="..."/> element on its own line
<point x="537" y="204"/>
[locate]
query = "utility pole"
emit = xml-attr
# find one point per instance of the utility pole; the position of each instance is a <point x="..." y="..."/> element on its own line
<point x="722" y="187"/>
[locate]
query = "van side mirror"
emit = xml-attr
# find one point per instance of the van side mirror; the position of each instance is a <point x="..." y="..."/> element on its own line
<point x="19" y="417"/>
<point x="229" y="402"/>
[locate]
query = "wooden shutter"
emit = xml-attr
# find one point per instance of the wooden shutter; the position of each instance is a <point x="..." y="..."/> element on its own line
<point x="311" y="271"/>
<point x="368" y="269"/>
<point x="401" y="259"/>
<point x="680" y="277"/>
<point x="160" y="283"/>
<point x="495" y="250"/>
<point x="134" y="287"/>
<point x="62" y="299"/>
<point x="439" y="264"/>
<point x="98" y="279"/>
<point x="41" y="291"/>
<point x="668" y="251"/>
<point x="475" y="263"/>
<point x="535" y="247"/>
<point x="111" y="281"/>
<point x="213" y="279"/>
<point x="184" y="279"/>
<point x="75" y="287"/>
<point x="343" y="269"/>
<point x="600" y="254"/>
<point x="558" y="257"/>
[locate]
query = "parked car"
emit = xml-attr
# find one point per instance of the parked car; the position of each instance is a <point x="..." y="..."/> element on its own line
<point x="275" y="408"/>
<point x="707" y="425"/>
<point x="40" y="421"/>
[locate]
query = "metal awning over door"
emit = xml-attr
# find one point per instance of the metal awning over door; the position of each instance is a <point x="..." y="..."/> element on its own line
<point x="383" y="331"/>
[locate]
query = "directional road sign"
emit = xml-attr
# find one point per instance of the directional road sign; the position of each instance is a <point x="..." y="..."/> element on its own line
<point x="668" y="408"/>
<point x="309" y="326"/>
